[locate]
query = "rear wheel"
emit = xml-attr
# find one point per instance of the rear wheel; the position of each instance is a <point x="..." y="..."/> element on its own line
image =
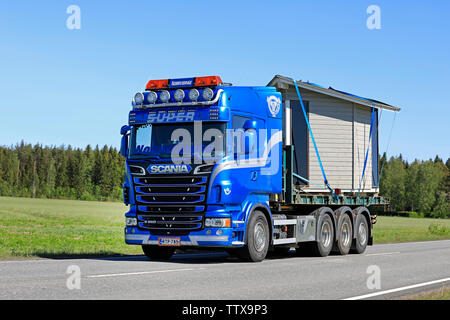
<point x="344" y="235"/>
<point x="158" y="253"/>
<point x="362" y="235"/>
<point x="324" y="243"/>
<point x="258" y="238"/>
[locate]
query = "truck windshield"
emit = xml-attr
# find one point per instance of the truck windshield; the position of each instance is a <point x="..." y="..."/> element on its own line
<point x="157" y="141"/>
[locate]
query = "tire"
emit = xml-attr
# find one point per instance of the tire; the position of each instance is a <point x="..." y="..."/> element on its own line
<point x="258" y="239"/>
<point x="362" y="235"/>
<point x="322" y="247"/>
<point x="158" y="253"/>
<point x="344" y="235"/>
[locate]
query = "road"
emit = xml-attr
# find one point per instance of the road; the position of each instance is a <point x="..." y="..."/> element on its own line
<point x="218" y="276"/>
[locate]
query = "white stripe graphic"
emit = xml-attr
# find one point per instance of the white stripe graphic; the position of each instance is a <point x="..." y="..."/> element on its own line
<point x="249" y="163"/>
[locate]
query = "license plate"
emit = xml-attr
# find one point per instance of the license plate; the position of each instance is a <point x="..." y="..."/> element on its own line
<point x="169" y="242"/>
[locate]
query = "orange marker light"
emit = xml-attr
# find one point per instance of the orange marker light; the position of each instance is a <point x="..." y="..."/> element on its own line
<point x="157" y="84"/>
<point x="208" y="81"/>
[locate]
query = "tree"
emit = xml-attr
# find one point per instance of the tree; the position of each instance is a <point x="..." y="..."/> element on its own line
<point x="411" y="185"/>
<point x="393" y="183"/>
<point x="442" y="208"/>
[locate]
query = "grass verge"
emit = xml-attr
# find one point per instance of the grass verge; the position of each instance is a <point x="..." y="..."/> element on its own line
<point x="54" y="228"/>
<point x="442" y="293"/>
<point x="402" y="229"/>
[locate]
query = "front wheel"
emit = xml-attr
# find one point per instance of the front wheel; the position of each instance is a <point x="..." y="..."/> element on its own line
<point x="258" y="238"/>
<point x="158" y="253"/>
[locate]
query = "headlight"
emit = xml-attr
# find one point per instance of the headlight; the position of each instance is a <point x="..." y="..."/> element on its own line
<point x="151" y="97"/>
<point x="164" y="96"/>
<point x="193" y="94"/>
<point x="179" y="95"/>
<point x="138" y="98"/>
<point x="207" y="94"/>
<point x="130" y="222"/>
<point x="218" y="222"/>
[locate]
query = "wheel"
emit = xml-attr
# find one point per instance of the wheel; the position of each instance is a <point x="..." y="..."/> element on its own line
<point x="258" y="238"/>
<point x="344" y="235"/>
<point x="362" y="235"/>
<point x="158" y="253"/>
<point x="322" y="247"/>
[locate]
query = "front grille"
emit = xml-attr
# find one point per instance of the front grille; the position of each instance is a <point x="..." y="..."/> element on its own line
<point x="171" y="204"/>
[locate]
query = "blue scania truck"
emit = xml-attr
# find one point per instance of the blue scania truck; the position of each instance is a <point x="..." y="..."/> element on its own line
<point x="208" y="166"/>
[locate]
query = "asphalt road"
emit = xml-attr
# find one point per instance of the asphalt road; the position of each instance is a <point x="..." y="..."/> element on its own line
<point x="403" y="268"/>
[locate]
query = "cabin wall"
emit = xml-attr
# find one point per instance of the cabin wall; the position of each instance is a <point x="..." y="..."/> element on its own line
<point x="341" y="131"/>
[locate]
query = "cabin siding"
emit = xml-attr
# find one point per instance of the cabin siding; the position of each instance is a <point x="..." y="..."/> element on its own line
<point x="341" y="131"/>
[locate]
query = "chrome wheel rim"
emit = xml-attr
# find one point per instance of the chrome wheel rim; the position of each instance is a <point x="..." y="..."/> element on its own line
<point x="325" y="234"/>
<point x="259" y="239"/>
<point x="346" y="234"/>
<point x="362" y="233"/>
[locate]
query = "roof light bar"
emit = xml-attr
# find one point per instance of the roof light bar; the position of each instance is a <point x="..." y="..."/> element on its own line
<point x="157" y="84"/>
<point x="184" y="82"/>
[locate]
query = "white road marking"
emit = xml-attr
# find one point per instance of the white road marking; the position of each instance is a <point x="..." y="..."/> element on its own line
<point x="379" y="293"/>
<point x="381" y="254"/>
<point x="138" y="273"/>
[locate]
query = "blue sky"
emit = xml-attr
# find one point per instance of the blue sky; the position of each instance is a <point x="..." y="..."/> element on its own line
<point x="61" y="86"/>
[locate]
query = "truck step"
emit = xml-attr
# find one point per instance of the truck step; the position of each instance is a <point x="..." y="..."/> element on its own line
<point x="284" y="241"/>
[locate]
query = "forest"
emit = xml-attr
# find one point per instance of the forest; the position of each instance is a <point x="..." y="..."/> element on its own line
<point x="97" y="174"/>
<point x="61" y="172"/>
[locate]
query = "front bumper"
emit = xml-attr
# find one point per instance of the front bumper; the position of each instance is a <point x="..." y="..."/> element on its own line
<point x="207" y="237"/>
<point x="231" y="237"/>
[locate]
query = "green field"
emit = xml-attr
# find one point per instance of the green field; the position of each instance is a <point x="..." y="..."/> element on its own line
<point x="64" y="228"/>
<point x="52" y="228"/>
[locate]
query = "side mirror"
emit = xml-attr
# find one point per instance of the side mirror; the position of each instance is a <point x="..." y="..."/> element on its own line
<point x="124" y="130"/>
<point x="124" y="145"/>
<point x="124" y="142"/>
<point x="250" y="124"/>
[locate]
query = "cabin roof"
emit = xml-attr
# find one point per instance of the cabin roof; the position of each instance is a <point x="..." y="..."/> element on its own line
<point x="281" y="82"/>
